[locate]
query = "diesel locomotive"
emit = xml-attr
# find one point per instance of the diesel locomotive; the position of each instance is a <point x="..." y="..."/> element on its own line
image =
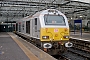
<point x="48" y="29"/>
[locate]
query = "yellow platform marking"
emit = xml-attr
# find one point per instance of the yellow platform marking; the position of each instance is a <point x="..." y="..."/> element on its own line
<point x="30" y="55"/>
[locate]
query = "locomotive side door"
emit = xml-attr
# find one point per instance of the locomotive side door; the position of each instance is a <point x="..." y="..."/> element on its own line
<point x="35" y="27"/>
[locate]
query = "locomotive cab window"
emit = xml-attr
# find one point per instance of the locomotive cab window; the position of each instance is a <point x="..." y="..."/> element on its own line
<point x="54" y="20"/>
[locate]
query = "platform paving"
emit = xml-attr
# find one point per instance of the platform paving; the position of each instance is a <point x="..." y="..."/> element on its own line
<point x="85" y="36"/>
<point x="9" y="50"/>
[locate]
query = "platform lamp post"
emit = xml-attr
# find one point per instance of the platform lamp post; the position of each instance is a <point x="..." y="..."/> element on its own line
<point x="7" y="22"/>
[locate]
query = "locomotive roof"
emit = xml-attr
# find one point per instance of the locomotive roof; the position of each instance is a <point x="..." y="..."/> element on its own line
<point x="37" y="14"/>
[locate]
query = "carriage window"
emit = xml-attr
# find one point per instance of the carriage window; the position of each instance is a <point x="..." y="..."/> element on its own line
<point x="23" y="26"/>
<point x="54" y="20"/>
<point x="16" y="26"/>
<point x="19" y="27"/>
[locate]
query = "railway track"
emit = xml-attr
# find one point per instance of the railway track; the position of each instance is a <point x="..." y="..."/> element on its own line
<point x="79" y="51"/>
<point x="41" y="55"/>
<point x="75" y="54"/>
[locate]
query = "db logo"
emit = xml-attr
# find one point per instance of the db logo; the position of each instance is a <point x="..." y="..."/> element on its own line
<point x="55" y="30"/>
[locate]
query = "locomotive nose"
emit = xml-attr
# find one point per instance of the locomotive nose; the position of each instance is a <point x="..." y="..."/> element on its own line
<point x="68" y="44"/>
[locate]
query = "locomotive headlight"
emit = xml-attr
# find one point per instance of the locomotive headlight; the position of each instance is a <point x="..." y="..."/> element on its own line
<point x="65" y="36"/>
<point x="45" y="37"/>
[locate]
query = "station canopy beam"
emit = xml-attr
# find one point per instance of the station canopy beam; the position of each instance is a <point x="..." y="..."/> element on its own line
<point x="21" y="8"/>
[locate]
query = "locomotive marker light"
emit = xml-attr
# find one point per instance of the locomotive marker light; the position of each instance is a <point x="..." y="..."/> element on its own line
<point x="66" y="29"/>
<point x="66" y="37"/>
<point x="45" y="37"/>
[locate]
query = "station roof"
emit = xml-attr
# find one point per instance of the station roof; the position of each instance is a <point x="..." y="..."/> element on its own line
<point x="12" y="10"/>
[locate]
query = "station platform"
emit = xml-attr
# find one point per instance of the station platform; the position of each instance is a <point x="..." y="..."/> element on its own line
<point x="12" y="49"/>
<point x="78" y="35"/>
